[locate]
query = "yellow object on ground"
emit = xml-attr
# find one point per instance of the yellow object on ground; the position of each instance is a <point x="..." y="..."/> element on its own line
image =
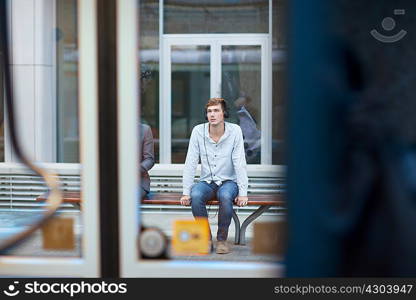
<point x="191" y="237"/>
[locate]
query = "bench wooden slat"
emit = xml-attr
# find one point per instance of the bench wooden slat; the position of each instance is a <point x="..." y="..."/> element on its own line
<point x="174" y="199"/>
<point x="69" y="197"/>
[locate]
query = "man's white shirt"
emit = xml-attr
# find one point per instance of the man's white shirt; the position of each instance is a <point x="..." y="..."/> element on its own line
<point x="223" y="160"/>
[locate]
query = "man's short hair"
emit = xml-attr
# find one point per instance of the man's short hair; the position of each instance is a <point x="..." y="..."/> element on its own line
<point x="216" y="101"/>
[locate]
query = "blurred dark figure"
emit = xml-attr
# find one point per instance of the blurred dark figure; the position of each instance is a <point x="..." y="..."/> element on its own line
<point x="147" y="156"/>
<point x="352" y="139"/>
<point x="248" y="124"/>
<point x="147" y="159"/>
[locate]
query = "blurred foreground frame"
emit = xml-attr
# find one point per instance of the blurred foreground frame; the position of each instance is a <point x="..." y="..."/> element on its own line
<point x="352" y="137"/>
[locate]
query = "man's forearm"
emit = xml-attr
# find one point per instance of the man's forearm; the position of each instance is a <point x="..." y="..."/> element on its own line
<point x="191" y="162"/>
<point x="242" y="188"/>
<point x="187" y="181"/>
<point x="189" y="174"/>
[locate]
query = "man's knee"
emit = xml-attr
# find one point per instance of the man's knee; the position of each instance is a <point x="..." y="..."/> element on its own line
<point x="197" y="196"/>
<point x="225" y="196"/>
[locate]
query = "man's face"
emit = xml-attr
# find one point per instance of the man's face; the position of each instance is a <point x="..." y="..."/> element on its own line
<point x="215" y="114"/>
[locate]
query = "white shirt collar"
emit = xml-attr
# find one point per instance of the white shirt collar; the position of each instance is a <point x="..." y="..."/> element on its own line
<point x="223" y="137"/>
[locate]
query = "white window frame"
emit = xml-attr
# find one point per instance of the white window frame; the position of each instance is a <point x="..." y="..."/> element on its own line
<point x="88" y="264"/>
<point x="131" y="265"/>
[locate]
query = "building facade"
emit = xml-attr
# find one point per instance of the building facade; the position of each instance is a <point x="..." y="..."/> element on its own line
<point x="193" y="50"/>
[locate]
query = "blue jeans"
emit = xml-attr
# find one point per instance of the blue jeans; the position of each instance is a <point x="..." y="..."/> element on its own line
<point x="226" y="193"/>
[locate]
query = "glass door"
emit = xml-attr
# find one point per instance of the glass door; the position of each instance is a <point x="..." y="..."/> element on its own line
<point x="241" y="86"/>
<point x="197" y="68"/>
<point x="190" y="88"/>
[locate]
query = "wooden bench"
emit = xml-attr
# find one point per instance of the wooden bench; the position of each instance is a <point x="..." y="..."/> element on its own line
<point x="264" y="201"/>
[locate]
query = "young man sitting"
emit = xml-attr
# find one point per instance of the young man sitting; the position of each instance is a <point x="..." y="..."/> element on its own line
<point x="219" y="146"/>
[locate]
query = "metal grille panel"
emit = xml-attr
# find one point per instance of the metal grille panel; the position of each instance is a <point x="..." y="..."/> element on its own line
<point x="19" y="191"/>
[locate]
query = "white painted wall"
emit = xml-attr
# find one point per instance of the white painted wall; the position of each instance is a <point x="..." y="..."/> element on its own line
<point x="33" y="66"/>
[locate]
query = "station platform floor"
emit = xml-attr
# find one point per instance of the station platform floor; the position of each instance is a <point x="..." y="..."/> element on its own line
<point x="14" y="220"/>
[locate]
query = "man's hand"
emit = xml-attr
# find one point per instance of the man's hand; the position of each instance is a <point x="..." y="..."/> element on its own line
<point x="186" y="200"/>
<point x="241" y="200"/>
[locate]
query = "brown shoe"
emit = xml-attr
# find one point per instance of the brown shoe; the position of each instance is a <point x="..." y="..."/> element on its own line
<point x="222" y="247"/>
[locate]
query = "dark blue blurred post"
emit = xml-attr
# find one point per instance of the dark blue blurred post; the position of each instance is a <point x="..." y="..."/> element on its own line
<point x="311" y="148"/>
<point x="351" y="140"/>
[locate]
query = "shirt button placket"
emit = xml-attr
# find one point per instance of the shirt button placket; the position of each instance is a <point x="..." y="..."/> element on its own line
<point x="215" y="156"/>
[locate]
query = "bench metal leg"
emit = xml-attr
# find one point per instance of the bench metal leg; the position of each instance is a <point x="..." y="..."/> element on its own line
<point x="237" y="228"/>
<point x="250" y="219"/>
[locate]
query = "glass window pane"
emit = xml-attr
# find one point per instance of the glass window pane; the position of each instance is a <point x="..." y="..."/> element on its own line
<point x="241" y="87"/>
<point x="190" y="88"/>
<point x="190" y="92"/>
<point x="67" y="77"/>
<point x="278" y="82"/>
<point x="149" y="67"/>
<point x="216" y="16"/>
<point x="36" y="91"/>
